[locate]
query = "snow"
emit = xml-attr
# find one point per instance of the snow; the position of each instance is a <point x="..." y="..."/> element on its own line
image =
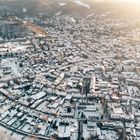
<point x="59" y="13"/>
<point x="82" y="4"/>
<point x="62" y="4"/>
<point x="38" y="95"/>
<point x="8" y="134"/>
<point x="73" y="20"/>
<point x="11" y="62"/>
<point x="90" y="15"/>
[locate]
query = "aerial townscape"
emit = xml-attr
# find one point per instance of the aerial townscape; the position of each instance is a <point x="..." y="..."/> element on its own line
<point x="69" y="76"/>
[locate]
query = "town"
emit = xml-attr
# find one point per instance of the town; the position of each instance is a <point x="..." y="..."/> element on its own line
<point x="70" y="78"/>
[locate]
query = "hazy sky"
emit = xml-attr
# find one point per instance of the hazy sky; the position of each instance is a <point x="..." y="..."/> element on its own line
<point x="130" y="1"/>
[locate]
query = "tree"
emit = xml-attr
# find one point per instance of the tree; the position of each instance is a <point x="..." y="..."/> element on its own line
<point x="71" y="100"/>
<point x="68" y="109"/>
<point x="91" y="137"/>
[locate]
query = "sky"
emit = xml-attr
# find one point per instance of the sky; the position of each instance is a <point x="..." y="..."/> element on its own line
<point x="126" y="1"/>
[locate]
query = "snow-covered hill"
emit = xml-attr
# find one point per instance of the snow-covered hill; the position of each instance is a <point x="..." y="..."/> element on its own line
<point x="82" y="3"/>
<point x="72" y="7"/>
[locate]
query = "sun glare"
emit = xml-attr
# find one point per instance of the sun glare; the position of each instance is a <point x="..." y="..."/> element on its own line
<point x="130" y="1"/>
